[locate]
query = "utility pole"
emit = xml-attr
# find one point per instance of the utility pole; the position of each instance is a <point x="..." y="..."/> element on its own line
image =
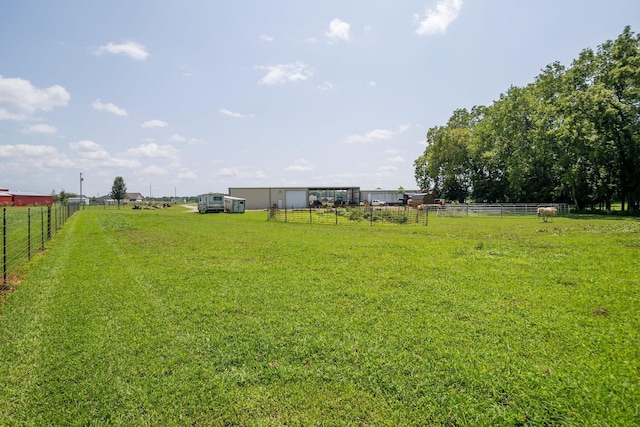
<point x="81" y="179"/>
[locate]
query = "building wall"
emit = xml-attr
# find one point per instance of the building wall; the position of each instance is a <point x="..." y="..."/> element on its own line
<point x="263" y="198"/>
<point x="32" y="200"/>
<point x="255" y="198"/>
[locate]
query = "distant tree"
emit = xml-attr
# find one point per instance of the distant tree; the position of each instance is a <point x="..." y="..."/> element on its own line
<point x="119" y="190"/>
<point x="63" y="197"/>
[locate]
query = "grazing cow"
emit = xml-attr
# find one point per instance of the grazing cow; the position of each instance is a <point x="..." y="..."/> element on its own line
<point x="547" y="212"/>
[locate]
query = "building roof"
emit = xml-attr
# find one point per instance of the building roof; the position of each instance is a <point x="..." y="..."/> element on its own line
<point x="20" y="193"/>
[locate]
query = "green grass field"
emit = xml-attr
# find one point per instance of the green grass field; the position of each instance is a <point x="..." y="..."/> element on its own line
<point x="173" y="318"/>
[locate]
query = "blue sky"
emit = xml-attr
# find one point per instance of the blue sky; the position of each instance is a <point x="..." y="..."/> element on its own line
<point x="186" y="97"/>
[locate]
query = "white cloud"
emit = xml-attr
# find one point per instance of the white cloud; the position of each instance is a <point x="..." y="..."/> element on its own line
<point x="374" y="135"/>
<point x="109" y="108"/>
<point x="179" y="138"/>
<point x="325" y="86"/>
<point x="19" y="99"/>
<point x="153" y="150"/>
<point x="187" y="175"/>
<point x="123" y="163"/>
<point x="436" y="20"/>
<point x="300" y="165"/>
<point x="153" y="170"/>
<point x="266" y="38"/>
<point x="396" y="159"/>
<point x="128" y="48"/>
<point x="225" y="112"/>
<point x="338" y="30"/>
<point x="154" y="124"/>
<point x="87" y="149"/>
<point x="299" y="168"/>
<point x="40" y="128"/>
<point x="283" y="73"/>
<point x="228" y="172"/>
<point x="84" y="155"/>
<point x="368" y="137"/>
<point x="249" y="172"/>
<point x="371" y="84"/>
<point x="385" y="171"/>
<point x="24" y="150"/>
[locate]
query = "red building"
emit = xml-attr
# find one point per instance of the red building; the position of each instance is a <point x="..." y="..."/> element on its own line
<point x="23" y="199"/>
<point x="6" y="199"/>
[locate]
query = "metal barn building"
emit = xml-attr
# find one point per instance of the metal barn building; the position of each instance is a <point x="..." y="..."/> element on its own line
<point x="6" y="199"/>
<point x="10" y="198"/>
<point x="294" y="197"/>
<point x="31" y="199"/>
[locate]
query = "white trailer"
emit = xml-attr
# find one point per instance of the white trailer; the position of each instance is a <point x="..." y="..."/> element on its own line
<point x="388" y="197"/>
<point x="234" y="204"/>
<point x="211" y="202"/>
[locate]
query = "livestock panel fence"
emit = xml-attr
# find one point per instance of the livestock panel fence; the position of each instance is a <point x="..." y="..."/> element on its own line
<point x="497" y="209"/>
<point x="25" y="230"/>
<point x="371" y="215"/>
<point x="344" y="215"/>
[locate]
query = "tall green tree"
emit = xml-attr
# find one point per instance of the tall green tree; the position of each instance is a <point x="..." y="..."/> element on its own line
<point x="63" y="197"/>
<point x="618" y="110"/>
<point x="573" y="134"/>
<point x="444" y="166"/>
<point x="119" y="190"/>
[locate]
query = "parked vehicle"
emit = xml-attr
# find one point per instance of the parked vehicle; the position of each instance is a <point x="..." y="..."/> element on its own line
<point x="233" y="204"/>
<point x="377" y="203"/>
<point x="211" y="202"/>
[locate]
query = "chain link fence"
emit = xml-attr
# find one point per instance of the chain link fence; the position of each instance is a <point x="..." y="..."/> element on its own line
<point x="25" y="230"/>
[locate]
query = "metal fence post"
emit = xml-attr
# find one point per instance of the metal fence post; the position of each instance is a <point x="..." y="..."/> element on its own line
<point x="29" y="234"/>
<point x="48" y="223"/>
<point x="42" y="227"/>
<point x="4" y="245"/>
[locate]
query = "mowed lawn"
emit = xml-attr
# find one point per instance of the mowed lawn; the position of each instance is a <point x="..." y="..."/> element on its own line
<point x="173" y="318"/>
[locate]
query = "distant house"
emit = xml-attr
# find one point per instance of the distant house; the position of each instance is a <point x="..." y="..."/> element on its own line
<point x="105" y="200"/>
<point x="134" y="198"/>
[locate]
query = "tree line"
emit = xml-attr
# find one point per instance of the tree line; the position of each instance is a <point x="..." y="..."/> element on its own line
<point x="572" y="135"/>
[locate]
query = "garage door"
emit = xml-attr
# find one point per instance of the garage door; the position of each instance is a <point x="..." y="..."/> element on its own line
<point x="296" y="199"/>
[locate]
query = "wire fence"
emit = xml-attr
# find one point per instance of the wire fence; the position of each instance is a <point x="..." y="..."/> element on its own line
<point x="25" y="231"/>
<point x="405" y="214"/>
<point x="370" y="215"/>
<point x="497" y="209"/>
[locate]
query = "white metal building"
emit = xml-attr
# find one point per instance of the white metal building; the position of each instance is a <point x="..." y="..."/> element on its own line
<point x="293" y="197"/>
